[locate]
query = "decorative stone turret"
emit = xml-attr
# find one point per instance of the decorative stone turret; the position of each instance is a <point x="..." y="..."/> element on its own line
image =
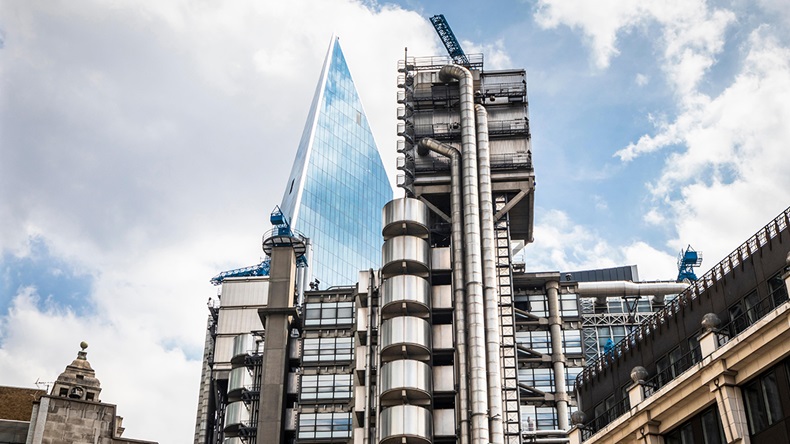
<point x="78" y="381"/>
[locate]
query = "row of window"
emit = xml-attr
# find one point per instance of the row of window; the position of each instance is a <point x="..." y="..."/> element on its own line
<point x="328" y="313"/>
<point x="324" y="425"/>
<point x="538" y="305"/>
<point x="326" y="387"/>
<point x="543" y="378"/>
<point x="540" y="341"/>
<point x="320" y="350"/>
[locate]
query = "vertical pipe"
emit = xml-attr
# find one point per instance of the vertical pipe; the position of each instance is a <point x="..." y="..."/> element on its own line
<point x="473" y="268"/>
<point x="490" y="291"/>
<point x="368" y="356"/>
<point x="458" y="280"/>
<point x="557" y="354"/>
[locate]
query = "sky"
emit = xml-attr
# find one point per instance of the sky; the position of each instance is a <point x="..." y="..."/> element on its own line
<point x="144" y="144"/>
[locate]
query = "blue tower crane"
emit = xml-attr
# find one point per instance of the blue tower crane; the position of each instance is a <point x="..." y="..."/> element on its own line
<point x="449" y="40"/>
<point x="282" y="229"/>
<point x="687" y="260"/>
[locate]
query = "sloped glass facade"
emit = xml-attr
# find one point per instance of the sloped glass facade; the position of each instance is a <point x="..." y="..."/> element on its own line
<point x="338" y="184"/>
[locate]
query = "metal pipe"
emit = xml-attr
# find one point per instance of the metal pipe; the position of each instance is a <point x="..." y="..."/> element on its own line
<point x="490" y="290"/>
<point x="557" y="355"/>
<point x="602" y="290"/>
<point x="458" y="279"/>
<point x="473" y="268"/>
<point x="368" y="356"/>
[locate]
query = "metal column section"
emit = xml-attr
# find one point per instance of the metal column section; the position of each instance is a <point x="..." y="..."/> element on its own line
<point x="507" y="321"/>
<point x="473" y="268"/>
<point x="491" y="295"/>
<point x="405" y="337"/>
<point x="557" y="354"/>
<point x="459" y="292"/>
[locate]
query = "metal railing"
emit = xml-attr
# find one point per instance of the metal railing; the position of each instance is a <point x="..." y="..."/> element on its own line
<point x="605" y="418"/>
<point x="674" y="370"/>
<point x="707" y="281"/>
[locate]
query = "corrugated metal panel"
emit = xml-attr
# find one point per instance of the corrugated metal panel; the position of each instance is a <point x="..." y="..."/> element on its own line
<point x="250" y="291"/>
<point x="223" y="349"/>
<point x="239" y="320"/>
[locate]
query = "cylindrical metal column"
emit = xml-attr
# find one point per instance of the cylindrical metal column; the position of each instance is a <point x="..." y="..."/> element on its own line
<point x="491" y="293"/>
<point x="557" y="354"/>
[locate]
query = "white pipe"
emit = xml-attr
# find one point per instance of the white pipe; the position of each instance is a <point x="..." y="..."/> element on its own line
<point x="602" y="290"/>
<point x="490" y="290"/>
<point x="557" y="355"/>
<point x="473" y="269"/>
<point x="458" y="279"/>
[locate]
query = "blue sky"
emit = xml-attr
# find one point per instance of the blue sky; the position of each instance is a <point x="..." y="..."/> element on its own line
<point x="142" y="148"/>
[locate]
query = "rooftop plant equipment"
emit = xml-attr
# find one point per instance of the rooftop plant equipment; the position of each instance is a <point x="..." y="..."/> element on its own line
<point x="281" y="230"/>
<point x="687" y="260"/>
<point x="449" y="40"/>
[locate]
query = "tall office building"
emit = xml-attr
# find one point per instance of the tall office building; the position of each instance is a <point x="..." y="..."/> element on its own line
<point x="451" y="339"/>
<point x="338" y="183"/>
<point x="333" y="197"/>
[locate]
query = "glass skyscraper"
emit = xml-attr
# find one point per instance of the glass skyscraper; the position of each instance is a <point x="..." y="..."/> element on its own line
<point x="338" y="185"/>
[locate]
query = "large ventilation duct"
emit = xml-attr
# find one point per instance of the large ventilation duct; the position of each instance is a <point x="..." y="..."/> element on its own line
<point x="473" y="267"/>
<point x="458" y="279"/>
<point x="602" y="290"/>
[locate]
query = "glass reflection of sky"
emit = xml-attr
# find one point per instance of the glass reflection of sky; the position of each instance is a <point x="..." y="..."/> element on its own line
<point x="344" y="186"/>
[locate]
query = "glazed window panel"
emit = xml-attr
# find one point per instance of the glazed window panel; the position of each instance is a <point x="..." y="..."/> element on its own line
<point x="324" y="425"/>
<point x="325" y="387"/>
<point x="319" y="350"/>
<point x="329" y="313"/>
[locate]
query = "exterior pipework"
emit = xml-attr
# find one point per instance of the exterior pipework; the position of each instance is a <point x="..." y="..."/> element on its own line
<point x="368" y="356"/>
<point x="473" y="267"/>
<point x="490" y="291"/>
<point x="458" y="280"/>
<point x="602" y="290"/>
<point x="557" y="355"/>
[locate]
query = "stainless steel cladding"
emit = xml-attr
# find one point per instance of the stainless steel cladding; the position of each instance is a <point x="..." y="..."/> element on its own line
<point x="405" y="216"/>
<point x="405" y="255"/>
<point x="243" y="345"/>
<point x="234" y="440"/>
<point x="405" y="336"/>
<point x="408" y="424"/>
<point x="408" y="293"/>
<point x="405" y="380"/>
<point x="239" y="380"/>
<point x="237" y="414"/>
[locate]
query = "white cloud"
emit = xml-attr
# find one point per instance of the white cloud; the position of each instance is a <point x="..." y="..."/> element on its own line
<point x="563" y="245"/>
<point x="641" y="79"/>
<point x="496" y="56"/>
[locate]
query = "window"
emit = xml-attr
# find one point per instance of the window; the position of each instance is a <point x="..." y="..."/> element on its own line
<point x="325" y="387"/>
<point x="324" y="425"/>
<point x="317" y="350"/>
<point x="703" y="428"/>
<point x="569" y="306"/>
<point x="329" y="313"/>
<point x="778" y="290"/>
<point x="538" y="418"/>
<point x="572" y="342"/>
<point x="535" y="340"/>
<point x="763" y="405"/>
<point x="538" y="378"/>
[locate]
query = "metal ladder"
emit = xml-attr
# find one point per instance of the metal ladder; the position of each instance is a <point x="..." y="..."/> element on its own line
<point x="510" y="395"/>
